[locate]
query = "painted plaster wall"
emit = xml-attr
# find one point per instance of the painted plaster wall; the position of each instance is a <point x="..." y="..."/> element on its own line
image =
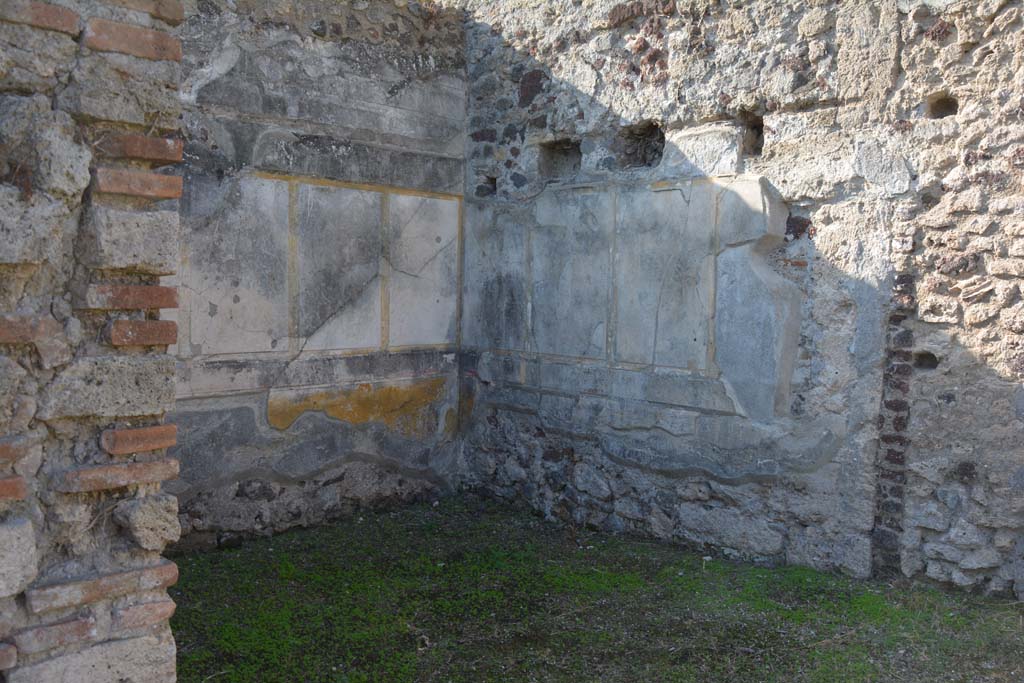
<point x="321" y="251"/>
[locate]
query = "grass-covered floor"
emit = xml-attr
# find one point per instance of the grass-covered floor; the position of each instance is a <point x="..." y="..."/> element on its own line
<point x="477" y="592"/>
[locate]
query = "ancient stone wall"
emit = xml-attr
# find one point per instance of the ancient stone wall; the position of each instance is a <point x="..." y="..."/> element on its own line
<point x="696" y="239"/>
<point x="88" y="225"/>
<point x="736" y="274"/>
<point x="321" y="257"/>
<point x="619" y="379"/>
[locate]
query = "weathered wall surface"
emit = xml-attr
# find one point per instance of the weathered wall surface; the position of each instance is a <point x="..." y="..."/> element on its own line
<point x="893" y="132"/>
<point x="736" y="274"/>
<point x="88" y="224"/>
<point x="697" y="236"/>
<point x="321" y="252"/>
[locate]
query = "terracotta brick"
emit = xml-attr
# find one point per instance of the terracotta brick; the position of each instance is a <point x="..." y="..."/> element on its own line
<point x="27" y="329"/>
<point x="170" y="11"/>
<point x="41" y="15"/>
<point x="130" y="297"/>
<point x="159" y="150"/>
<point x="45" y="333"/>
<point x="146" y="614"/>
<point x="14" y="448"/>
<point x="128" y="441"/>
<point x="8" y="656"/>
<point x="138" y="183"/>
<point x="143" y="332"/>
<point x="84" y="592"/>
<point x="113" y="36"/>
<point x="105" y="477"/>
<point x="47" y="637"/>
<point x="13" y="488"/>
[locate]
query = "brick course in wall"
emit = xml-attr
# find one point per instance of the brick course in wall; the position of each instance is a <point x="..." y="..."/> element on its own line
<point x="76" y="596"/>
<point x="893" y="442"/>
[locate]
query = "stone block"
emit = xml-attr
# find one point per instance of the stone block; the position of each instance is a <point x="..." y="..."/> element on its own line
<point x="882" y="167"/>
<point x="137" y="183"/>
<point x="664" y="275"/>
<point x="339" y="236"/>
<point x="149" y="659"/>
<point x="728" y="527"/>
<point x="423" y="281"/>
<point x="11" y="377"/>
<point x="588" y="480"/>
<point x="867" y="36"/>
<point x="237" y="234"/>
<point x="33" y="59"/>
<point x="107" y="477"/>
<point x="30" y="229"/>
<point x="111" y="386"/>
<point x="124" y="89"/>
<point x="18" y="562"/>
<point x="145" y="242"/>
<point x="495" y="287"/>
<point x="75" y="593"/>
<point x="570" y="256"/>
<point x="113" y="36"/>
<point x="151" y="521"/>
<point x="45" y="146"/>
<point x="812" y="547"/>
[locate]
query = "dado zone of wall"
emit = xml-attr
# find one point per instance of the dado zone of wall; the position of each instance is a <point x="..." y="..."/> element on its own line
<point x="321" y="262"/>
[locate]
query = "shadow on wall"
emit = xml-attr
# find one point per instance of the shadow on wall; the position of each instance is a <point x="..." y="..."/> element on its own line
<point x="653" y="344"/>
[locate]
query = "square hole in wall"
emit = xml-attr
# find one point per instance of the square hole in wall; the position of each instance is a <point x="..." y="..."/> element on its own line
<point x="560" y="159"/>
<point x="753" y="133"/>
<point x="640" y="145"/>
<point x="941" y="105"/>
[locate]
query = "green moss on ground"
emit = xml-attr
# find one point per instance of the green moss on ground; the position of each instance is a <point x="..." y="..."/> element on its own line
<point x="475" y="592"/>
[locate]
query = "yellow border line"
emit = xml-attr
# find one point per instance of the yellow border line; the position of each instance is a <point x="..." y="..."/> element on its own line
<point x="460" y="272"/>
<point x="293" y="268"/>
<point x="384" y="269"/>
